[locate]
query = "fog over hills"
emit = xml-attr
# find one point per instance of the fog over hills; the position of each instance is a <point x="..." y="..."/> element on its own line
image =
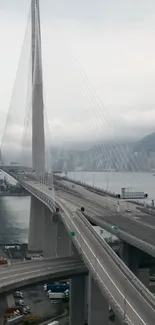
<point x="121" y="155"/>
<point x="146" y="144"/>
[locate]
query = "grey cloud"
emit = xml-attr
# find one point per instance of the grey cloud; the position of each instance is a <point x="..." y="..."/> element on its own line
<point x="113" y="41"/>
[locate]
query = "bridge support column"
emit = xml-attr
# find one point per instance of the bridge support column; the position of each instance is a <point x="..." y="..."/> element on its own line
<point x="6" y="301"/>
<point x="10" y="300"/>
<point x="57" y="242"/>
<point x="77" y="301"/>
<point x="64" y="244"/>
<point x="50" y="235"/>
<point x="132" y="256"/>
<point x="36" y="226"/>
<point x="144" y="276"/>
<point x="74" y="251"/>
<point x="98" y="308"/>
<point x="117" y="321"/>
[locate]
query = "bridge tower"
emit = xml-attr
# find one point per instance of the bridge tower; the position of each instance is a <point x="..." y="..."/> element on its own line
<point x="36" y="226"/>
<point x="38" y="137"/>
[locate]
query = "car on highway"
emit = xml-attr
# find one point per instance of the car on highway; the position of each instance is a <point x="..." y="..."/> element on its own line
<point x="115" y="227"/>
<point x="128" y="210"/>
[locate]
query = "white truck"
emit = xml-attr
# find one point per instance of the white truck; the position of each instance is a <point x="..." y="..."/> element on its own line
<point x="55" y="295"/>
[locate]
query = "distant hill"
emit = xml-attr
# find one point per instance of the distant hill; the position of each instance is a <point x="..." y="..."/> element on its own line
<point x="146" y="144"/>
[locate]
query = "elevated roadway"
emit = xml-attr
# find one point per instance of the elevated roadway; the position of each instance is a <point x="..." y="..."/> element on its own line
<point x="102" y="211"/>
<point x="135" y="227"/>
<point x="30" y="272"/>
<point x="115" y="280"/>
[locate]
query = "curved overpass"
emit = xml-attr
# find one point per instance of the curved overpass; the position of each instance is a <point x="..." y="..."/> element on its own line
<point x="136" y="228"/>
<point x="116" y="282"/>
<point x="32" y="272"/>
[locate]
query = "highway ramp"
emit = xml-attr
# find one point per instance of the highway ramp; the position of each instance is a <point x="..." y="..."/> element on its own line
<point x="32" y="272"/>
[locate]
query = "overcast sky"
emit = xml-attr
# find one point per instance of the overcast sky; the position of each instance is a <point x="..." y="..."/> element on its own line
<point x="113" y="42"/>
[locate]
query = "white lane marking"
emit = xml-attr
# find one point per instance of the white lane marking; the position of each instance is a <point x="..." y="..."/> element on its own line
<point x="105" y="271"/>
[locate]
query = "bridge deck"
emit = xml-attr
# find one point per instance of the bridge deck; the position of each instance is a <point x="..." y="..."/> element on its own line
<point x="27" y="273"/>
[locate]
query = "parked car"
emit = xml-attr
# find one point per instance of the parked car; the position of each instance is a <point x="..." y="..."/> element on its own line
<point x="18" y="294"/>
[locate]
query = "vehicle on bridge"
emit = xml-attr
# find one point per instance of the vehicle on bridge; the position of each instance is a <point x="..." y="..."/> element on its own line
<point x="127" y="193"/>
<point x="3" y="261"/>
<point x="115" y="227"/>
<point x="14" y="163"/>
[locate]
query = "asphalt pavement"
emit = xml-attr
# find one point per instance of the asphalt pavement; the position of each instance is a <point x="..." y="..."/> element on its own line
<point x="110" y="276"/>
<point x="136" y="223"/>
<point x="26" y="273"/>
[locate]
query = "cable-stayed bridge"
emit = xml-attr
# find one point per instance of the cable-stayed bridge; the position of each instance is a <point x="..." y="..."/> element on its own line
<point x="61" y="230"/>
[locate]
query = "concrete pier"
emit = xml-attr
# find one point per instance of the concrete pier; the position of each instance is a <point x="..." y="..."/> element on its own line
<point x="98" y="308"/>
<point x="10" y="300"/>
<point x="132" y="256"/>
<point x="144" y="276"/>
<point x="57" y="242"/>
<point x="64" y="245"/>
<point x="74" y="251"/>
<point x="77" y="301"/>
<point x="50" y="235"/>
<point x="6" y="301"/>
<point x="36" y="226"/>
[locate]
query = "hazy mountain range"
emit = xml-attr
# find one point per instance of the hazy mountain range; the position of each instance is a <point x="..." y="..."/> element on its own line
<point x="146" y="144"/>
<point x="119" y="156"/>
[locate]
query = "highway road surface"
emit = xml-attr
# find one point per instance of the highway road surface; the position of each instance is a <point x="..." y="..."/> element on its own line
<point x="98" y="212"/>
<point x="137" y="308"/>
<point x="119" y="289"/>
<point x="113" y="282"/>
<point x="100" y="208"/>
<point x="30" y="272"/>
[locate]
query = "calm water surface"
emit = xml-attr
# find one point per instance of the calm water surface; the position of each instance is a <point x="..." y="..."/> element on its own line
<point x="14" y="211"/>
<point x="14" y="219"/>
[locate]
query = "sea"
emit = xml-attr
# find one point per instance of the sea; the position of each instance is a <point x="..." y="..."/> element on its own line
<point x="15" y="210"/>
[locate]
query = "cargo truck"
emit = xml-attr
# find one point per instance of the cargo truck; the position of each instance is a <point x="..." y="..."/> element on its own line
<point x="55" y="295"/>
<point x="56" y="287"/>
<point x="127" y="193"/>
